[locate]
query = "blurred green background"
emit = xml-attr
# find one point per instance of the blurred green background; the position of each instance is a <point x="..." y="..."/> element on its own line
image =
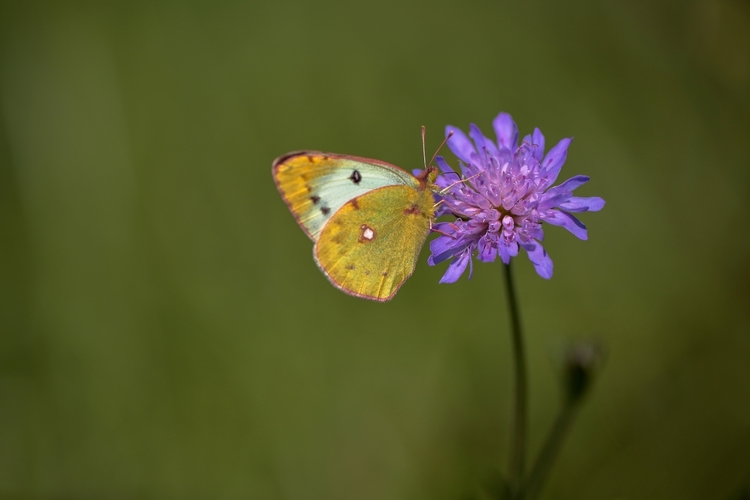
<point x="164" y="332"/>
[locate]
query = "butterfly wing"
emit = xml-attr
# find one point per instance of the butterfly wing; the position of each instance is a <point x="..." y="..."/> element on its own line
<point x="316" y="185"/>
<point x="371" y="244"/>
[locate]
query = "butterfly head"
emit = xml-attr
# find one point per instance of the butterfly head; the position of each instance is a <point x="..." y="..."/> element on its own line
<point x="430" y="173"/>
<point x="427" y="178"/>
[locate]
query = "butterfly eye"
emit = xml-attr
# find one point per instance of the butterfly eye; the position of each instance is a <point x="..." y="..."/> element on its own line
<point x="432" y="176"/>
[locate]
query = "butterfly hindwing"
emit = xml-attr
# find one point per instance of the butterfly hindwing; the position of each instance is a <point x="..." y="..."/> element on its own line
<point x="371" y="244"/>
<point x="316" y="185"/>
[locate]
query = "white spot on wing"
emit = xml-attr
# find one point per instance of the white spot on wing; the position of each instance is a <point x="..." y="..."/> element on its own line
<point x="368" y="234"/>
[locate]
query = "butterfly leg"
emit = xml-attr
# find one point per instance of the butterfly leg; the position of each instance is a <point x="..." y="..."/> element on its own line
<point x="432" y="229"/>
<point x="445" y="189"/>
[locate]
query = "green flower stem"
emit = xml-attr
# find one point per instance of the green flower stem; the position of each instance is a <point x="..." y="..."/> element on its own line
<point x="518" y="428"/>
<point x="550" y="449"/>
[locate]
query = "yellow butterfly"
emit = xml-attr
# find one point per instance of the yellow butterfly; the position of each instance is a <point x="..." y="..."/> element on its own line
<point x="368" y="219"/>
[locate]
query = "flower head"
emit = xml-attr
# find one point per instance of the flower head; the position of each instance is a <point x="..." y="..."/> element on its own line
<point x="504" y="199"/>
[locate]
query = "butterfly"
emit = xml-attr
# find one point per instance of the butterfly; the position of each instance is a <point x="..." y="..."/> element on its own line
<point x="369" y="219"/>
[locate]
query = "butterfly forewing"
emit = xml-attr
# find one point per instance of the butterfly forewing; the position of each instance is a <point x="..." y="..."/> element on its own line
<point x="316" y="185"/>
<point x="372" y="243"/>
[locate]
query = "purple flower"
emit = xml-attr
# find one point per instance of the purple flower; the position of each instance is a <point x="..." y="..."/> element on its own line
<point x="505" y="199"/>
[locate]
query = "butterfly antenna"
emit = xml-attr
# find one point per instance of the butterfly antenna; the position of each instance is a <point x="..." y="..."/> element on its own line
<point x="424" y="155"/>
<point x="445" y="189"/>
<point x="450" y="134"/>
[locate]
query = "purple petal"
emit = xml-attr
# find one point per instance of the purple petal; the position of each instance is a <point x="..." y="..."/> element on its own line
<point x="445" y="247"/>
<point x="507" y="132"/>
<point x="530" y="231"/>
<point x="552" y="199"/>
<point x="444" y="167"/>
<point x="481" y="141"/>
<point x="460" y="144"/>
<point x="577" y="204"/>
<point x="456" y="268"/>
<point x="558" y="195"/>
<point x="513" y="248"/>
<point x="507" y="251"/>
<point x="538" y="144"/>
<point x="442" y="209"/>
<point x="554" y="161"/>
<point x="487" y="248"/>
<point x="441" y="248"/>
<point x="442" y="182"/>
<point x="566" y="220"/>
<point x="538" y="256"/>
<point x="572" y="184"/>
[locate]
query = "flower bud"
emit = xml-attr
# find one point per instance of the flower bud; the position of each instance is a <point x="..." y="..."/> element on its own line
<point x="582" y="360"/>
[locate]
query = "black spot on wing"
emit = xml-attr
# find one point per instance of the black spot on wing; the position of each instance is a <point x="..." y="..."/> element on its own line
<point x="356" y="177"/>
<point x="325" y="210"/>
<point x="315" y="199"/>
